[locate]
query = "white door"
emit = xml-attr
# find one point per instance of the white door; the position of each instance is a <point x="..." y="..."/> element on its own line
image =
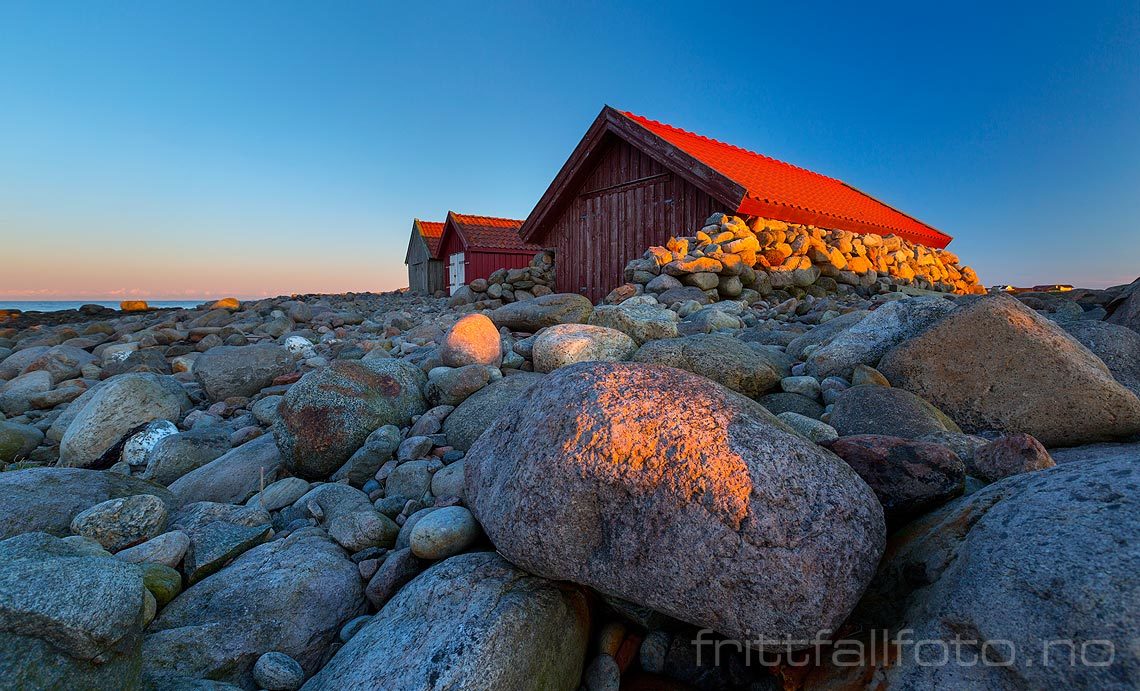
<point x="455" y="271"/>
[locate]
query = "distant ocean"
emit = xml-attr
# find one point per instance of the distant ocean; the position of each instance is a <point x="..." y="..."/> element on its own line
<point x="57" y="305"/>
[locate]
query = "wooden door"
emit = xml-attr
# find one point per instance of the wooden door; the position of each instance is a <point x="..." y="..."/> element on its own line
<point x="455" y="272"/>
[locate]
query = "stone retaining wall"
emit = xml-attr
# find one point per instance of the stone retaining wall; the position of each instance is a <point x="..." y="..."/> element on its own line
<point x="511" y="285"/>
<point x="729" y="255"/>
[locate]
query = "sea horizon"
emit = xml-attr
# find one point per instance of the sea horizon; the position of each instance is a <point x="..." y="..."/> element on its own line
<point x="60" y="305"/>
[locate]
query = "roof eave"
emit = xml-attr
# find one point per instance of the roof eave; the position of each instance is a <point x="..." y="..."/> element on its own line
<point x="611" y="120"/>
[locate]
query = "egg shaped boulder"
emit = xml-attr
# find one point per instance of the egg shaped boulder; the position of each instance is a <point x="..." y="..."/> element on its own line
<point x="666" y="489"/>
<point x="326" y="416"/>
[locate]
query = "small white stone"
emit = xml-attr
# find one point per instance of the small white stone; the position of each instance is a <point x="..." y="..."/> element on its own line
<point x="140" y="444"/>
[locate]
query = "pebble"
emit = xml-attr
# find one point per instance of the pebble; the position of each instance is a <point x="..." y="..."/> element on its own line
<point x="603" y="674"/>
<point x="814" y="430"/>
<point x="120" y="523"/>
<point x="654" y="649"/>
<point x="166" y="549"/>
<point x="803" y="385"/>
<point x="281" y="493"/>
<point x="278" y="672"/>
<point x="444" y="533"/>
<point x="353" y="626"/>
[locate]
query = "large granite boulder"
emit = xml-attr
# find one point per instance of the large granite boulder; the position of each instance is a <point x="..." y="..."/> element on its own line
<point x="640" y="322"/>
<point x="217" y="534"/>
<point x="719" y="357"/>
<point x="1117" y="346"/>
<point x="1011" y="454"/>
<point x="668" y="490"/>
<point x="821" y="334"/>
<point x="909" y="477"/>
<point x="125" y="403"/>
<point x="998" y="365"/>
<point x="544" y="311"/>
<point x="565" y="344"/>
<point x="16" y="395"/>
<point x="464" y="425"/>
<point x="48" y="499"/>
<point x="1039" y="572"/>
<point x="1096" y="452"/>
<point x="473" y="621"/>
<point x="120" y="523"/>
<point x="290" y="596"/>
<point x="71" y="615"/>
<point x="15" y="363"/>
<point x="869" y="338"/>
<point x="176" y="455"/>
<point x="225" y="371"/>
<point x="1125" y="310"/>
<point x="872" y="409"/>
<point x="71" y="411"/>
<point x="783" y="402"/>
<point x="326" y="416"/>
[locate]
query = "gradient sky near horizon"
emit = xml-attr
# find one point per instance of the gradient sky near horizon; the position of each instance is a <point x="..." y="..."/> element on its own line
<point x="195" y="150"/>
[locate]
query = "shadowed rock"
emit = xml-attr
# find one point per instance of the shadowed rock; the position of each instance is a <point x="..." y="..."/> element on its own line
<point x="472" y="417"/>
<point x="327" y="415"/>
<point x="998" y="365"/>
<point x="289" y="596"/>
<point x="547" y="310"/>
<point x="47" y="499"/>
<point x="872" y="409"/>
<point x="473" y="621"/>
<point x="908" y="477"/>
<point x="1042" y="565"/>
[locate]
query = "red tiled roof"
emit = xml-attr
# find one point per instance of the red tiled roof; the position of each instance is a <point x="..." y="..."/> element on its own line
<point x="489" y="232"/>
<point x="773" y="188"/>
<point x="432" y="233"/>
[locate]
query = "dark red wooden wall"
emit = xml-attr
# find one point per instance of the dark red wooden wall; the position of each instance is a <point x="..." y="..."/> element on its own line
<point x="627" y="203"/>
<point x="480" y="263"/>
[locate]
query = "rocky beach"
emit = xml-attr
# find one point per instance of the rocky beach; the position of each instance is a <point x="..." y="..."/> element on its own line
<point x="771" y="447"/>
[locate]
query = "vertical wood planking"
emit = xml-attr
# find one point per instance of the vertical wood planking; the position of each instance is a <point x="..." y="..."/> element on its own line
<point x="602" y="229"/>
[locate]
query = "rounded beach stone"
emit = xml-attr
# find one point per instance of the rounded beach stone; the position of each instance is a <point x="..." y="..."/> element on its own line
<point x="278" y="672"/>
<point x="668" y="490"/>
<point x="444" y="533"/>
<point x="119" y="523"/>
<point x="473" y="340"/>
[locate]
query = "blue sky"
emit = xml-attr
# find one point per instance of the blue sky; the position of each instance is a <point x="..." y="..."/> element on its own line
<point x="199" y="149"/>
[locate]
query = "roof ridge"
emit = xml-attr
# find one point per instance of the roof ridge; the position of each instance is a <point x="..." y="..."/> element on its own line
<point x="492" y="218"/>
<point x="731" y="146"/>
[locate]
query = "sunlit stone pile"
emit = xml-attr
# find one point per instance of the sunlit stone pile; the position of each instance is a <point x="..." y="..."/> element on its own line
<point x="729" y="255"/>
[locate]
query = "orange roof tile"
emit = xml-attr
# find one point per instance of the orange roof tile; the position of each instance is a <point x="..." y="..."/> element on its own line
<point x="772" y="187"/>
<point x="489" y="232"/>
<point x="432" y="233"/>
